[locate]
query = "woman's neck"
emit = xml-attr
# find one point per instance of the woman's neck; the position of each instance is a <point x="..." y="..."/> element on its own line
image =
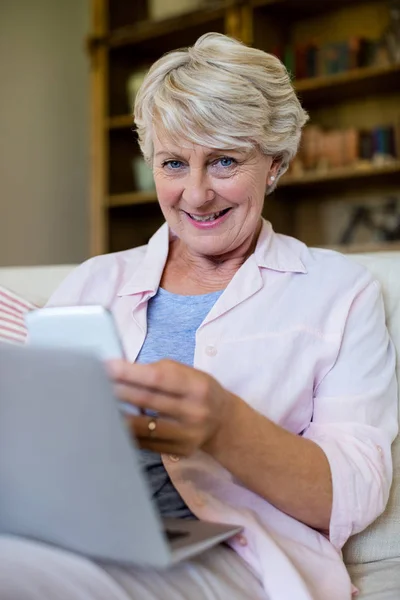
<point x="189" y="273"/>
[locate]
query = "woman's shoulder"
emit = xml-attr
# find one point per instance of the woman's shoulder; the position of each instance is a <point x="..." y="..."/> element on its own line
<point x="329" y="284"/>
<point x="336" y="269"/>
<point x="113" y="261"/>
<point x="98" y="279"/>
<point x="312" y="267"/>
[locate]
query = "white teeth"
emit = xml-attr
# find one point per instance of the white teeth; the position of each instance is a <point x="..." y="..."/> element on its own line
<point x="207" y="218"/>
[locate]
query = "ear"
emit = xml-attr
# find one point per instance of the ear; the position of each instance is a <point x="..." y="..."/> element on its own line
<point x="274" y="171"/>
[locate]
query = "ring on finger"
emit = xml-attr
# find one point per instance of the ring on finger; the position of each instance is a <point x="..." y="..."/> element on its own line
<point x="152" y="426"/>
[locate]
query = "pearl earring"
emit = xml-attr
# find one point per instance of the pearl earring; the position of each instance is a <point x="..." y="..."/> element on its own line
<point x="272" y="179"/>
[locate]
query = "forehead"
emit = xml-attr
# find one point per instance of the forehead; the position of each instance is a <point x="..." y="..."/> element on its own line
<point x="166" y="145"/>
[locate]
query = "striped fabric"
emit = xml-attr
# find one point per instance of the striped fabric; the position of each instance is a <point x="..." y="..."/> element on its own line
<point x="12" y="310"/>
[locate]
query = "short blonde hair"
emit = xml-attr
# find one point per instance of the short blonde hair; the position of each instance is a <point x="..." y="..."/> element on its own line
<point x="222" y="94"/>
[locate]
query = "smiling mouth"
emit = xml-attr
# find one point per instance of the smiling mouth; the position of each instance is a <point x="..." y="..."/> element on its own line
<point x="210" y="217"/>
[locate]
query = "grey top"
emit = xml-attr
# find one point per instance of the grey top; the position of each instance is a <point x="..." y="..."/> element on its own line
<point x="172" y="322"/>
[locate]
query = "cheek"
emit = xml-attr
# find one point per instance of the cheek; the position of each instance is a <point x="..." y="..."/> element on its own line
<point x="242" y="190"/>
<point x="168" y="190"/>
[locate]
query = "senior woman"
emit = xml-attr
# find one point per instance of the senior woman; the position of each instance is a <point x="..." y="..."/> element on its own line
<point x="267" y="364"/>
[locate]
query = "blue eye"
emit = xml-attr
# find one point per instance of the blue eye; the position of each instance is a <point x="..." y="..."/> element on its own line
<point x="173" y="164"/>
<point x="226" y="161"/>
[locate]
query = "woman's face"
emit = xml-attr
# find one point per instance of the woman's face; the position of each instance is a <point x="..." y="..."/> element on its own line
<point x="212" y="199"/>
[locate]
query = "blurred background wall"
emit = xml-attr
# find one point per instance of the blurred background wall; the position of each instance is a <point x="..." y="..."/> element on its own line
<point x="44" y="131"/>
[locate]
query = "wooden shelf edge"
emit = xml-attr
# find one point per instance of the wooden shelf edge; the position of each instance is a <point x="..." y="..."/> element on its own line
<point x="132" y="198"/>
<point x="317" y="83"/>
<point x="120" y="122"/>
<point x="306" y="86"/>
<point x="340" y="174"/>
<point x="261" y="3"/>
<point x="147" y="30"/>
<point x="300" y="5"/>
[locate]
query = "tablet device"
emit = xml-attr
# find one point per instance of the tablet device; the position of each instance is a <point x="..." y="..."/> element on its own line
<point x="90" y="329"/>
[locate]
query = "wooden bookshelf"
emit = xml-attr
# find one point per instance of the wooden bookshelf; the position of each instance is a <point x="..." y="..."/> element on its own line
<point x="148" y="30"/>
<point x="119" y="122"/>
<point x="295" y="9"/>
<point x="329" y="89"/>
<point x="123" y="39"/>
<point x="307" y="179"/>
<point x="365" y="171"/>
<point x="355" y="83"/>
<point x="133" y="198"/>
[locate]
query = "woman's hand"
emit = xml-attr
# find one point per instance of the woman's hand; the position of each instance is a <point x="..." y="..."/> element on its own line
<point x="195" y="412"/>
<point x="191" y="405"/>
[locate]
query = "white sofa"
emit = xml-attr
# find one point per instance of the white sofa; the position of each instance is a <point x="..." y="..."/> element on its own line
<point x="35" y="284"/>
<point x="372" y="557"/>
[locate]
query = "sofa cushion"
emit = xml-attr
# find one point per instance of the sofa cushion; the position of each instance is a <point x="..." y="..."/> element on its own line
<point x="381" y="540"/>
<point x="378" y="580"/>
<point x="12" y="310"/>
<point x="35" y="284"/>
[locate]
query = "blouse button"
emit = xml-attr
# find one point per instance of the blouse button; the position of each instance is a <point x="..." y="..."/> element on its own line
<point x="379" y="448"/>
<point x="211" y="350"/>
<point x="242" y="540"/>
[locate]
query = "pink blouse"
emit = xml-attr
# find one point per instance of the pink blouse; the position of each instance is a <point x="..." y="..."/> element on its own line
<point x="300" y="335"/>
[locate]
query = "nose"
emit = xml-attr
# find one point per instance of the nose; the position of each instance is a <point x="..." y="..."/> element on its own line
<point x="197" y="189"/>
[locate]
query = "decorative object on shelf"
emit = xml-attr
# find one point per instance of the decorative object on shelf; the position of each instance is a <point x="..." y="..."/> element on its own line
<point x="142" y="175"/>
<point x="165" y="9"/>
<point x="366" y="220"/>
<point x="378" y="222"/>
<point x="392" y="34"/>
<point x="133" y="85"/>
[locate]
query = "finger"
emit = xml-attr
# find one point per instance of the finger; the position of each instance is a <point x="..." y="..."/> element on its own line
<point x="165" y="376"/>
<point x="178" y="447"/>
<point x="146" y="399"/>
<point x="165" y="431"/>
<point x="167" y="438"/>
<point x="163" y="447"/>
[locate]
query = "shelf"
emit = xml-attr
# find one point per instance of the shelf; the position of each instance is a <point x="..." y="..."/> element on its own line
<point x="350" y="84"/>
<point x="132" y="198"/>
<point x="340" y="174"/>
<point x="120" y="122"/>
<point x="357" y="82"/>
<point x="308" y="179"/>
<point x="148" y="30"/>
<point x="294" y="9"/>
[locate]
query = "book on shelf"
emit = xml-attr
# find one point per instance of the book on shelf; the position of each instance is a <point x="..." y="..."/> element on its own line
<point x="397" y="137"/>
<point x="322" y="149"/>
<point x="310" y="59"/>
<point x="350" y="145"/>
